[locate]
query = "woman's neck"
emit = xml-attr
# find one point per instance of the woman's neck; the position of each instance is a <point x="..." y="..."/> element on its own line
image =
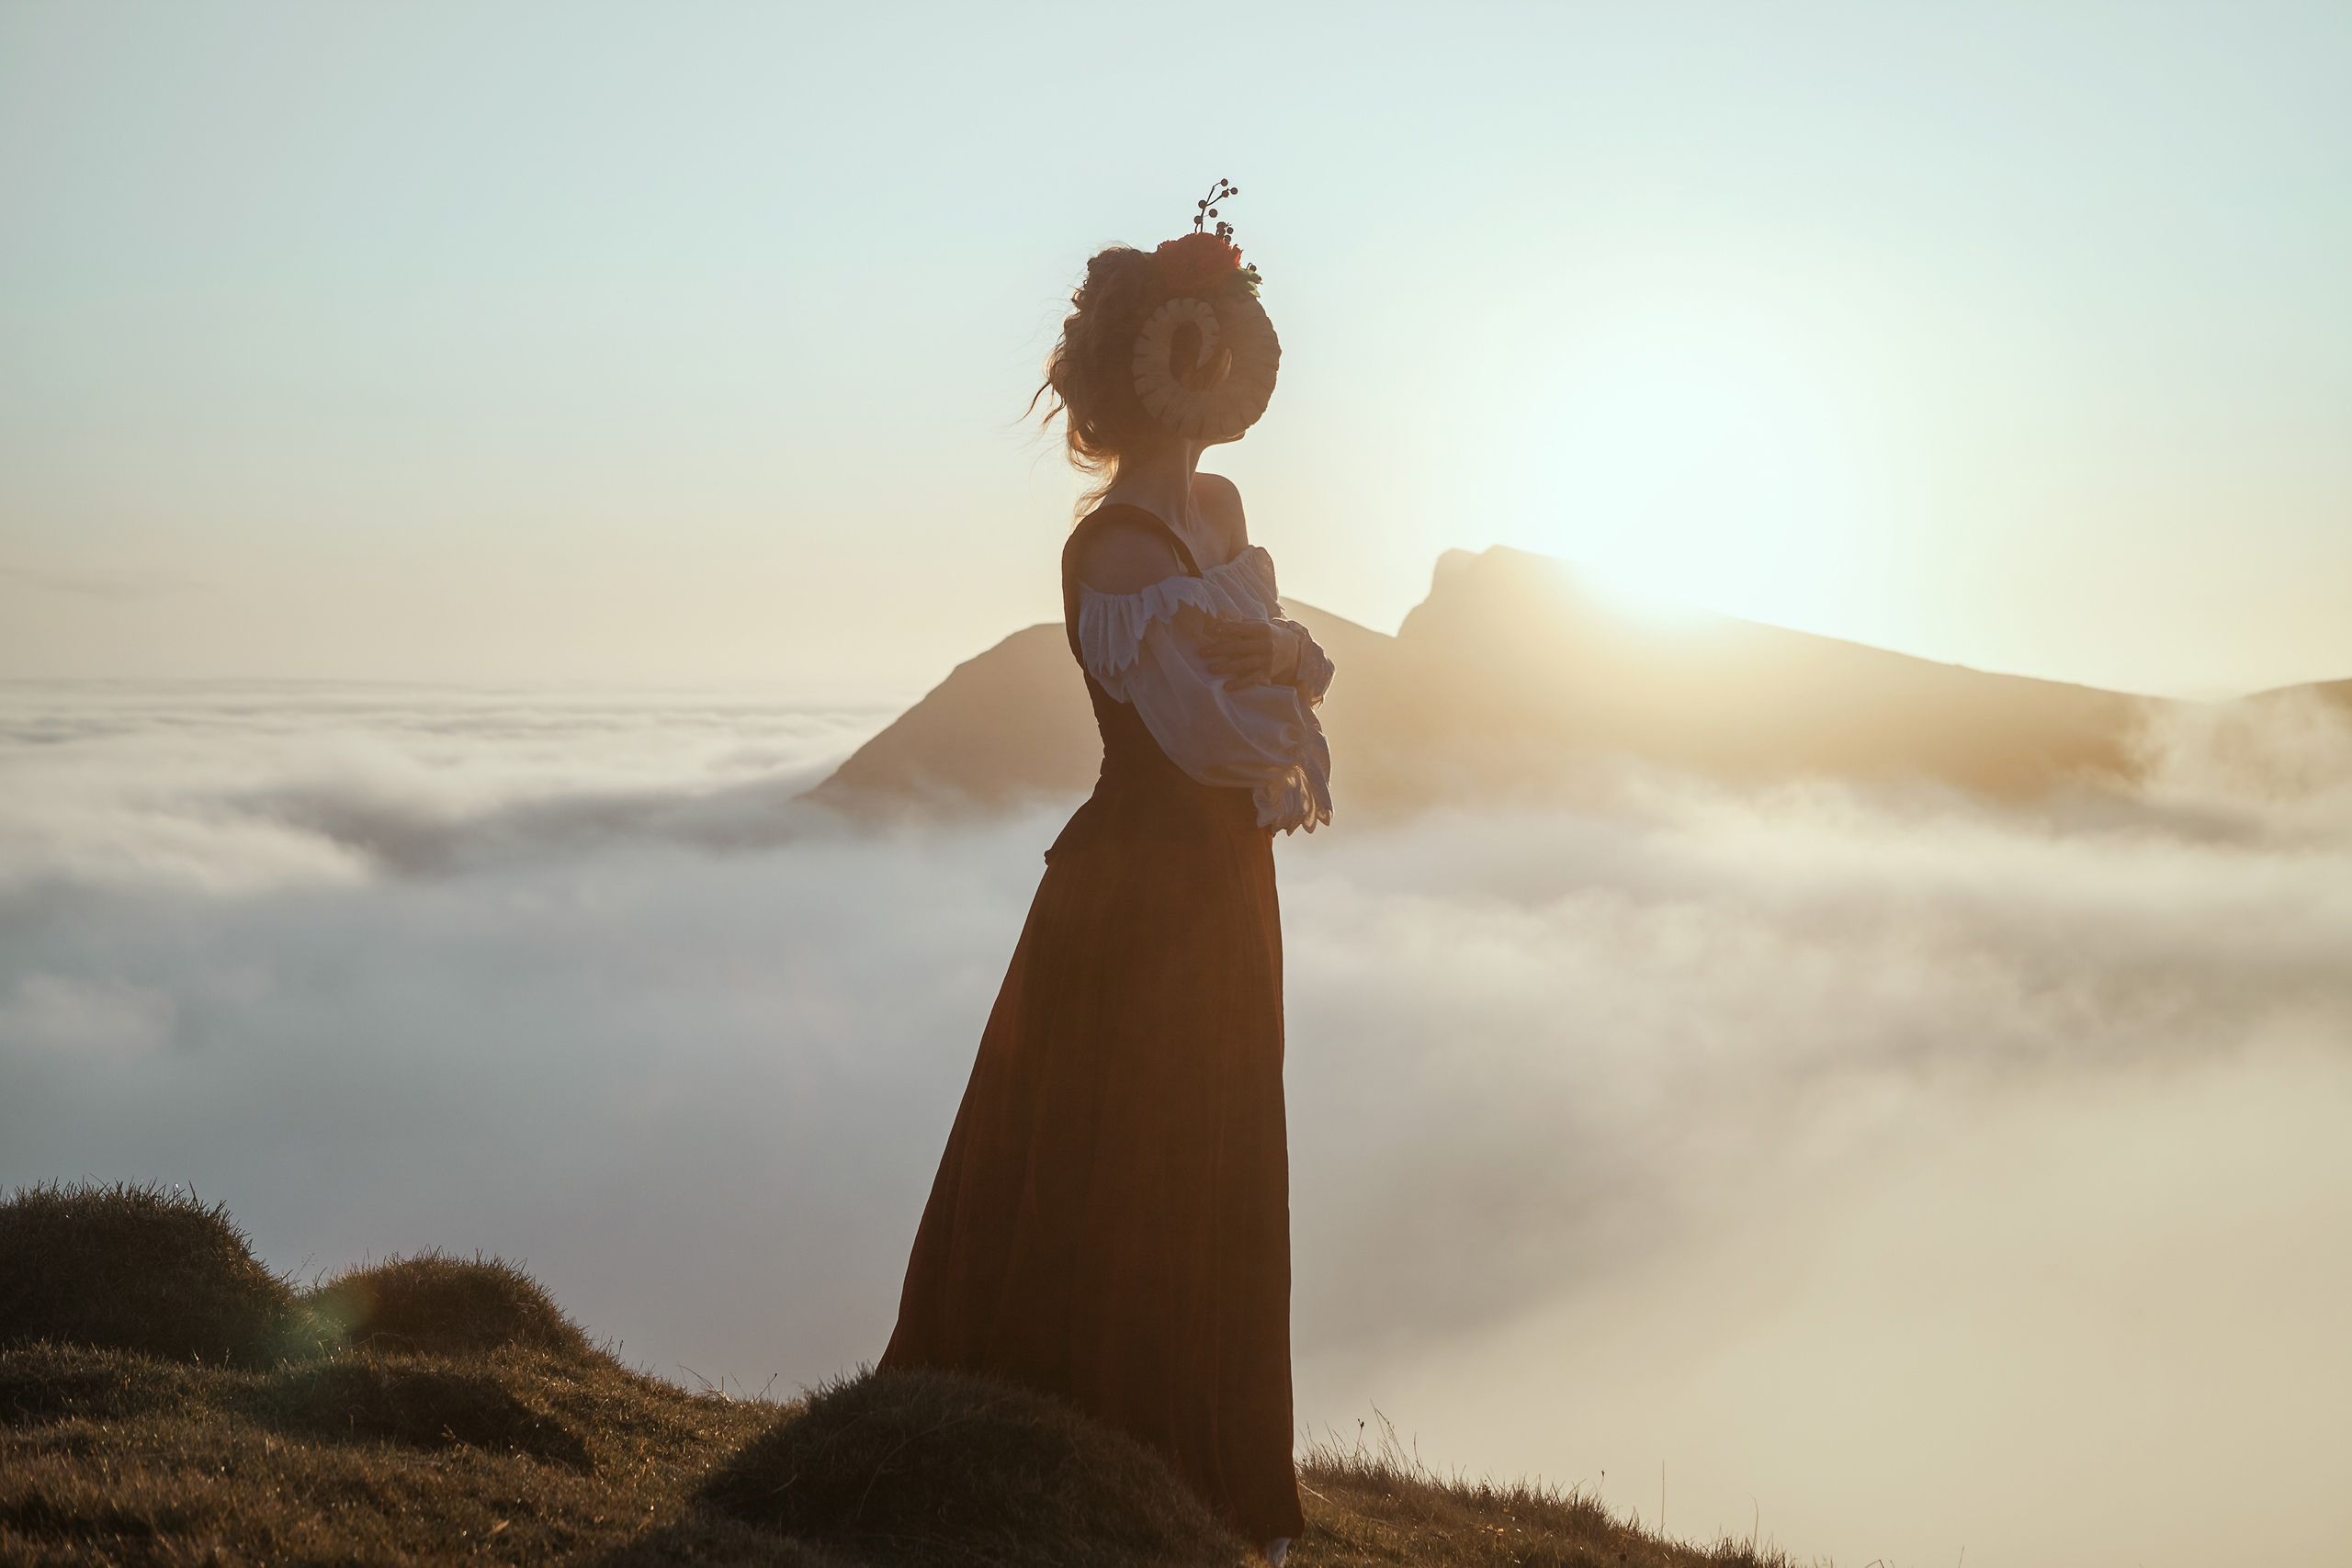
<point x="1160" y="480"/>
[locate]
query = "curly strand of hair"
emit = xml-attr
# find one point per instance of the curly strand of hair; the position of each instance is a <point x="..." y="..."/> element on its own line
<point x="1089" y="375"/>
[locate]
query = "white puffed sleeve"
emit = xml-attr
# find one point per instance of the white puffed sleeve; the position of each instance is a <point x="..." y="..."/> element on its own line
<point x="1148" y="649"/>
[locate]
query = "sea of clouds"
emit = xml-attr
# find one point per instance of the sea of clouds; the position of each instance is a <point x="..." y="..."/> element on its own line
<point x="1896" y="1173"/>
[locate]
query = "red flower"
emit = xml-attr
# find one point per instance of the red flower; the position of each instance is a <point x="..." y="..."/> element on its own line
<point x="1195" y="263"/>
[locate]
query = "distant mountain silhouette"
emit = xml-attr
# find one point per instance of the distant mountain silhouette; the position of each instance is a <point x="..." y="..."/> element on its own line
<point x="2338" y="694"/>
<point x="1510" y="680"/>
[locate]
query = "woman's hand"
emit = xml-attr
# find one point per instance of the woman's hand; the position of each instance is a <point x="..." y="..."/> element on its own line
<point x="1249" y="653"/>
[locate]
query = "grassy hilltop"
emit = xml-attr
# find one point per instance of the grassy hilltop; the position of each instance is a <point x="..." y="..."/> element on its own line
<point x="165" y="1399"/>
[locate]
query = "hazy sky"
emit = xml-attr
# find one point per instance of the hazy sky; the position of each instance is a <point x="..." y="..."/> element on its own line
<point x="686" y="342"/>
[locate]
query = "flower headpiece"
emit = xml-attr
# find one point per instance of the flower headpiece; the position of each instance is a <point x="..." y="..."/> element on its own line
<point x="1199" y="262"/>
<point x="1204" y="361"/>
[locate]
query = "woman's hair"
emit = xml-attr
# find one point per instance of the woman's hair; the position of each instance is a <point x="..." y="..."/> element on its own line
<point x="1089" y="371"/>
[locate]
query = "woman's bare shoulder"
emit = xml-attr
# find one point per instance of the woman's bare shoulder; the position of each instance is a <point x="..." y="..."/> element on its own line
<point x="1115" y="554"/>
<point x="1221" y="498"/>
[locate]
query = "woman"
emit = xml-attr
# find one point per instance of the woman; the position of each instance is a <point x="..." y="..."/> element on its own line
<point x="1111" y="1220"/>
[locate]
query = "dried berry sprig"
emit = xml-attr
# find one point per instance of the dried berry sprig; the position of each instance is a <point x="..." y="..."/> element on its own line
<point x="1205" y="209"/>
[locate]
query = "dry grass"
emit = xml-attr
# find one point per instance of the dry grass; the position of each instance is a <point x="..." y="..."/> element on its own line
<point x="1374" y="1502"/>
<point x="432" y="1408"/>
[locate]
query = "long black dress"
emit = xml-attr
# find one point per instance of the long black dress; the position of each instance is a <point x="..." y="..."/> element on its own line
<point x="1111" y="1220"/>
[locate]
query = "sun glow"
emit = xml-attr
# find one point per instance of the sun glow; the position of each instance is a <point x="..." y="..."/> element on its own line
<point x="1690" y="465"/>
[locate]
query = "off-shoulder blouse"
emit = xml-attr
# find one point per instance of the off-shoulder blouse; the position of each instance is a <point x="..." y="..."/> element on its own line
<point x="1148" y="649"/>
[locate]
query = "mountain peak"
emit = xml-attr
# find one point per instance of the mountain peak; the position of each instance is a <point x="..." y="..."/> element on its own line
<point x="1504" y="582"/>
<point x="1456" y="561"/>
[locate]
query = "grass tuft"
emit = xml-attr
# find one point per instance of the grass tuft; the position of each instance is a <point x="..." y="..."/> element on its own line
<point x="449" y="1306"/>
<point x="930" y="1468"/>
<point x="136" y="1267"/>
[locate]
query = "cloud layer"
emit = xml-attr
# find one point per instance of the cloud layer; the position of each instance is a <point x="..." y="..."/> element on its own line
<point x="1928" y="1174"/>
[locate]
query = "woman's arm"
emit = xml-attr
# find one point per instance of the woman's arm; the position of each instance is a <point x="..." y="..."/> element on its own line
<point x="1144" y="630"/>
<point x="1257" y="737"/>
<point x="1277" y="651"/>
<point x="1286" y="654"/>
